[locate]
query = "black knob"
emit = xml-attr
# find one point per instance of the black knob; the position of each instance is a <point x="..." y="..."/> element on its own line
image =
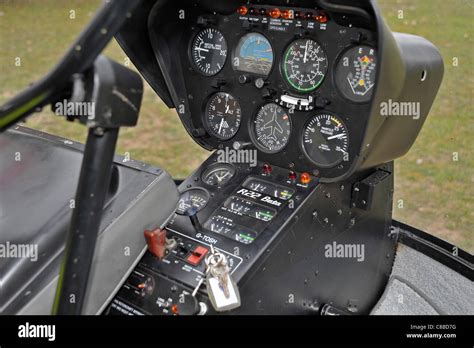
<point x="244" y="79"/>
<point x="187" y="305"/>
<point x="268" y="93"/>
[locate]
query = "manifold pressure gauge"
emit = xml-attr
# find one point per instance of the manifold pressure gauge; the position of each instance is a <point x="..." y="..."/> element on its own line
<point x="325" y="140"/>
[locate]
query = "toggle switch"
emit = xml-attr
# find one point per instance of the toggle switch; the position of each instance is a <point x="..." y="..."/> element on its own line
<point x="197" y="255"/>
<point x="156" y="241"/>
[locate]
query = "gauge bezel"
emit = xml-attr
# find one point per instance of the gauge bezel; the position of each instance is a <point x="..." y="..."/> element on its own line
<point x="253" y="134"/>
<point x="214" y="166"/>
<point x="336" y="65"/>
<point x="283" y="69"/>
<point x="190" y="51"/>
<point x="234" y="54"/>
<point x="206" y="124"/>
<point x="301" y="141"/>
<point x="208" y="197"/>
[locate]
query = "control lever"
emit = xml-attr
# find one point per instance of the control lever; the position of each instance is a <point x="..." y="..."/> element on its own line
<point x="156" y="241"/>
<point x="192" y="214"/>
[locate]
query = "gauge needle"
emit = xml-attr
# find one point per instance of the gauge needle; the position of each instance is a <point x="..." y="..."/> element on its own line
<point x="220" y="126"/>
<point x="341" y="135"/>
<point x="201" y="49"/>
<point x="305" y="52"/>
<point x="350" y="84"/>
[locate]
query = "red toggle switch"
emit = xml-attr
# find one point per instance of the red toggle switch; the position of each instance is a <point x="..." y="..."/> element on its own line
<point x="197" y="255"/>
<point x="156" y="241"/>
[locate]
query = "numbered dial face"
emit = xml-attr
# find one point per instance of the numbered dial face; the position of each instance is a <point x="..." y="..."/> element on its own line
<point x="272" y="128"/>
<point x="326" y="140"/>
<point x="192" y="201"/>
<point x="304" y="65"/>
<point x="355" y="73"/>
<point x="222" y="115"/>
<point x="218" y="174"/>
<point x="209" y="51"/>
<point x="253" y="54"/>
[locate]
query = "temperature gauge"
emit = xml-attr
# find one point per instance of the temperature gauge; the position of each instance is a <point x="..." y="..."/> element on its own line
<point x="355" y="73"/>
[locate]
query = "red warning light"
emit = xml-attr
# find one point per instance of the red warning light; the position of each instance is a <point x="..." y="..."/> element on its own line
<point x="275" y="13"/>
<point x="287" y="14"/>
<point x="174" y="308"/>
<point x="267" y="169"/>
<point x="305" y="178"/>
<point x="242" y="10"/>
<point x="321" y="17"/>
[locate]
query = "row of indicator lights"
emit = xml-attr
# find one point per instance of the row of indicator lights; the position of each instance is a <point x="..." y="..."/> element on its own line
<point x="305" y="178"/>
<point x="275" y="13"/>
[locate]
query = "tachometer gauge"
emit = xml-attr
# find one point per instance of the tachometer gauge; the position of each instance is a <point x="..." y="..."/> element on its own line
<point x="192" y="199"/>
<point x="218" y="174"/>
<point x="209" y="51"/>
<point x="272" y="128"/>
<point x="253" y="54"/>
<point x="325" y="140"/>
<point x="222" y="115"/>
<point x="355" y="73"/>
<point x="304" y="65"/>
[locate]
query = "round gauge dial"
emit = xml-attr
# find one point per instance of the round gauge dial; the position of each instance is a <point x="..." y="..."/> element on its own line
<point x="304" y="65"/>
<point x="209" y="51"/>
<point x="355" y="73"/>
<point x="326" y="140"/>
<point x="272" y="128"/>
<point x="218" y="174"/>
<point x="253" y="54"/>
<point x="192" y="201"/>
<point x="222" y="115"/>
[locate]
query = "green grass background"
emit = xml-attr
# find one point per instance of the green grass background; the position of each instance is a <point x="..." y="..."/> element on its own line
<point x="432" y="191"/>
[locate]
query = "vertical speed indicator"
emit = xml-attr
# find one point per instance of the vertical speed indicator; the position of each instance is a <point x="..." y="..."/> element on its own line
<point x="326" y="140"/>
<point x="209" y="51"/>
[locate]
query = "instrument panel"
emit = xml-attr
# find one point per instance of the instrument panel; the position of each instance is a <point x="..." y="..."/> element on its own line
<point x="290" y="82"/>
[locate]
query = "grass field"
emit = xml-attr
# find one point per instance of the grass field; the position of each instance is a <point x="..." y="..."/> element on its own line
<point x="434" y="191"/>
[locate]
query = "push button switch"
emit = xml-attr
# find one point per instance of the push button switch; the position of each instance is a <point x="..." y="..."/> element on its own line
<point x="197" y="255"/>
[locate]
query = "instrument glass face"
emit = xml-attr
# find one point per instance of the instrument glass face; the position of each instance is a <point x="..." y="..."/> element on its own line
<point x="209" y="51"/>
<point x="355" y="73"/>
<point x="326" y="140"/>
<point x="253" y="54"/>
<point x="222" y="115"/>
<point x="218" y="174"/>
<point x="272" y="128"/>
<point x="304" y="65"/>
<point x="192" y="201"/>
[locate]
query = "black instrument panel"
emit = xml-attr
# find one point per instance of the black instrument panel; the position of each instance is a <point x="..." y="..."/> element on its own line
<point x="256" y="79"/>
